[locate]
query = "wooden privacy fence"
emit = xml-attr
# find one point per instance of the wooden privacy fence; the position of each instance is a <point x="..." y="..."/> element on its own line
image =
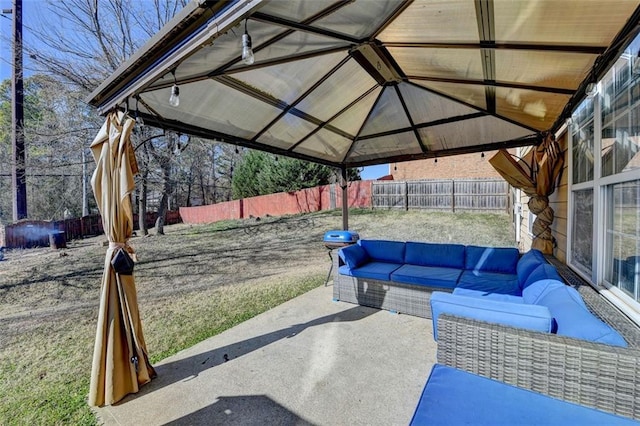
<point x="477" y="195"/>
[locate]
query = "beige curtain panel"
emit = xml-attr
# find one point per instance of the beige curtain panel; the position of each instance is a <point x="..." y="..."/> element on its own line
<point x="120" y="361"/>
<point x="538" y="181"/>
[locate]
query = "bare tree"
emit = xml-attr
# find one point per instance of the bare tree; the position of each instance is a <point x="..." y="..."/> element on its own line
<point x="83" y="41"/>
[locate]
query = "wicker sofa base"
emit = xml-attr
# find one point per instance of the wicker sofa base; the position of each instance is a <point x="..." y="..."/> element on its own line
<point x="591" y="374"/>
<point x="388" y="295"/>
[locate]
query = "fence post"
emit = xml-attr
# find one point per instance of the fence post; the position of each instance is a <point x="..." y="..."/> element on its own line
<point x="453" y="196"/>
<point x="406" y="195"/>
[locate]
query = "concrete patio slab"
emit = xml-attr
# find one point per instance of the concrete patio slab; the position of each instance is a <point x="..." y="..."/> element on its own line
<point x="307" y="361"/>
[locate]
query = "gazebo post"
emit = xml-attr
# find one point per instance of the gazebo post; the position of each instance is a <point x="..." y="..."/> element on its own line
<point x="345" y="198"/>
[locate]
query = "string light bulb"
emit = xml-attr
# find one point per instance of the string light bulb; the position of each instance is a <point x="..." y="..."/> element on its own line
<point x="482" y="155"/>
<point x="174" y="99"/>
<point x="247" y="51"/>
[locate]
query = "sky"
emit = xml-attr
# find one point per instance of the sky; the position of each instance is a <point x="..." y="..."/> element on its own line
<point x="374" y="172"/>
<point x="6" y="33"/>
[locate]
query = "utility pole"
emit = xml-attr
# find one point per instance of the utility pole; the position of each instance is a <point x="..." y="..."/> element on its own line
<point x="18" y="175"/>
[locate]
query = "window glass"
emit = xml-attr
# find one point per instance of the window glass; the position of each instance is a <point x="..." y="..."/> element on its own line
<point x="582" y="230"/>
<point x="618" y="145"/>
<point x="582" y="133"/>
<point x="620" y="119"/>
<point x="623" y="237"/>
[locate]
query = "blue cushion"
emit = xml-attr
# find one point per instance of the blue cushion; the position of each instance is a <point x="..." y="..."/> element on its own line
<point x="344" y="270"/>
<point x="487" y="295"/>
<point x="430" y="254"/>
<point x="542" y="272"/>
<point x="575" y="320"/>
<point x="354" y="255"/>
<point x="493" y="282"/>
<point x="492" y="259"/>
<point x="430" y="276"/>
<point x="456" y="397"/>
<point x="375" y="270"/>
<point x="527" y="263"/>
<point x="531" y="317"/>
<point x="532" y="294"/>
<point x="384" y="251"/>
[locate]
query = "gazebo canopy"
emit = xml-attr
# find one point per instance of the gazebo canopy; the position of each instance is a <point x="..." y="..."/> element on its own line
<point x="362" y="82"/>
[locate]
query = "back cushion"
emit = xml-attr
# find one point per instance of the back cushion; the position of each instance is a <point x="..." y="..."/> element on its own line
<point x="384" y="251"/>
<point x="532" y="294"/>
<point x="492" y="259"/>
<point x="542" y="272"/>
<point x="574" y="319"/>
<point x="430" y="254"/>
<point x="354" y="256"/>
<point x="527" y="263"/>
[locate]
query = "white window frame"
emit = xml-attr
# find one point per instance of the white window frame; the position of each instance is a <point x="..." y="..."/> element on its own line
<point x="599" y="185"/>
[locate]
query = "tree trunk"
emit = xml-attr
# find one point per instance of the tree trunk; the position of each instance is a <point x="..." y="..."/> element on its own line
<point x="189" y="186"/>
<point x="144" y="189"/>
<point x="167" y="189"/>
<point x="142" y="205"/>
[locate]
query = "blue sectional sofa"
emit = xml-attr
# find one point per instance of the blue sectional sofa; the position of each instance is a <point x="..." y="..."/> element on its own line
<point x="494" y="284"/>
<point x="401" y="276"/>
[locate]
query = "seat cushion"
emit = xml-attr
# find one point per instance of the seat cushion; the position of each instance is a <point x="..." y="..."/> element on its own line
<point x="491" y="282"/>
<point x="430" y="276"/>
<point x="530" y="317"/>
<point x="487" y="295"/>
<point x="492" y="259"/>
<point x="430" y="254"/>
<point x="375" y="270"/>
<point x="384" y="251"/>
<point x="527" y="263"/>
<point x="456" y="397"/>
<point x="575" y="320"/>
<point x="542" y="272"/>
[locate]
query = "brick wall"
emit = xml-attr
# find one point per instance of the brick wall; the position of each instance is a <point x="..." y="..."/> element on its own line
<point x="455" y="166"/>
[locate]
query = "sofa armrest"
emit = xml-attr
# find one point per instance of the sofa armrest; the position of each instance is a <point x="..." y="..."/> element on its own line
<point x="596" y="375"/>
<point x="532" y="317"/>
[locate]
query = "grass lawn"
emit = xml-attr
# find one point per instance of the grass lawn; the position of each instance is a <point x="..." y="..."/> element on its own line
<point x="194" y="282"/>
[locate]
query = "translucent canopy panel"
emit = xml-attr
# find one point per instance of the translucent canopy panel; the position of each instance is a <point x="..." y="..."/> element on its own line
<point x="327" y="144"/>
<point x="557" y="70"/>
<point x="441" y="21"/>
<point x="473" y="95"/>
<point x="439" y="63"/>
<point x="376" y="148"/>
<point x="387" y="115"/>
<point x="324" y="102"/>
<point x="302" y="75"/>
<point x="445" y="136"/>
<point x="574" y="22"/>
<point x="353" y="83"/>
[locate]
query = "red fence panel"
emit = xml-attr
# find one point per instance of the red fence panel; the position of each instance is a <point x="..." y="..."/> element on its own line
<point x="283" y="203"/>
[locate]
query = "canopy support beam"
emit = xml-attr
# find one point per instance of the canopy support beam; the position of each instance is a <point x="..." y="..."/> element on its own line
<point x="344" y="184"/>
